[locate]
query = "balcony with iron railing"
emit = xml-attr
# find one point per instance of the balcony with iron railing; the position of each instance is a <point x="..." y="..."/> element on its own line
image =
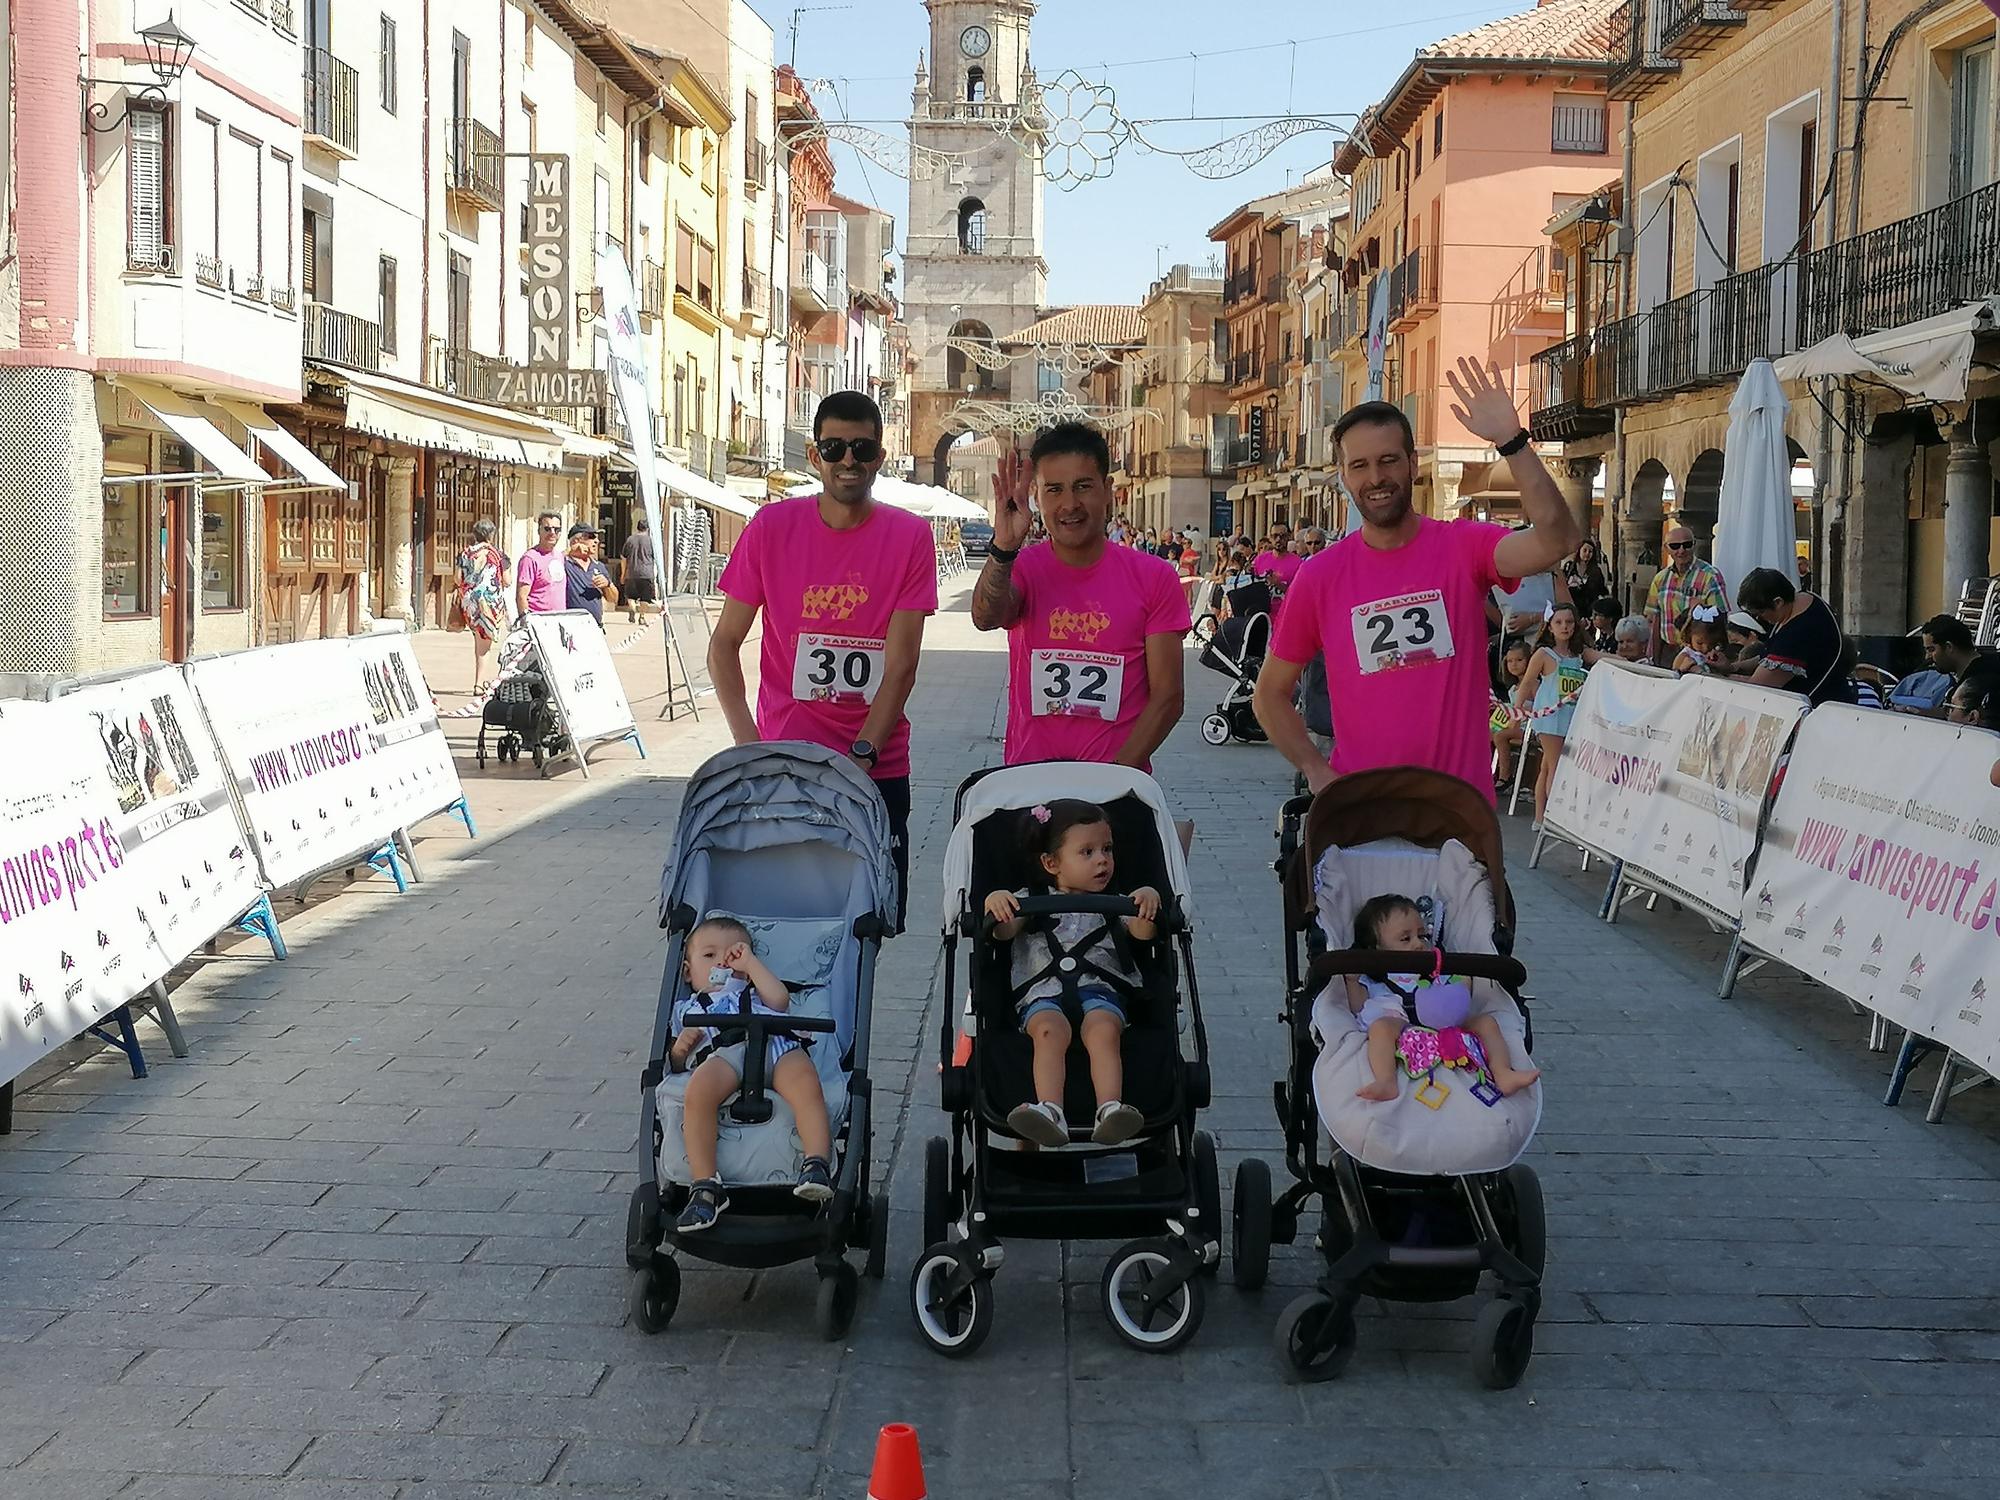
<point x="465" y="373"/>
<point x="1904" y="271"/>
<point x="1275" y="286"/>
<point x="987" y="111"/>
<point x="1532" y="295"/>
<point x="652" y="289"/>
<point x="1413" y="289"/>
<point x="747" y="452"/>
<point x="1274" y="375"/>
<point x="332" y="104"/>
<point x="341" y="338"/>
<point x="1690" y="27"/>
<point x="756" y="295"/>
<point x="1638" y="63"/>
<point x="813" y="288"/>
<point x="756" y="163"/>
<point x="1240" y="287"/>
<point x="473" y="173"/>
<point x="1240" y="452"/>
<point x="284" y="16"/>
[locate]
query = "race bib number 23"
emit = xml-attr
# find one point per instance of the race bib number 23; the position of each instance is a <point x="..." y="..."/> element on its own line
<point x="1406" y="631"/>
<point x="838" y="669"/>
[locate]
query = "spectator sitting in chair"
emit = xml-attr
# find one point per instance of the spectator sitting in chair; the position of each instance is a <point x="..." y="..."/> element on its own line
<point x="1634" y="638"/>
<point x="1950" y="656"/>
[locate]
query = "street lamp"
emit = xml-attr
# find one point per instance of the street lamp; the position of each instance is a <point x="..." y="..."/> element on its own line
<point x="168" y="52"/>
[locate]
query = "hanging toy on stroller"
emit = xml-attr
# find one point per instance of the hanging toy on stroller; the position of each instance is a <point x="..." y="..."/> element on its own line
<point x="519" y="706"/>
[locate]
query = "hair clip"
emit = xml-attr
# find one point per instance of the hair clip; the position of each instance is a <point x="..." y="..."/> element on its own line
<point x="1039" y="813"/>
<point x="1706" y="613"/>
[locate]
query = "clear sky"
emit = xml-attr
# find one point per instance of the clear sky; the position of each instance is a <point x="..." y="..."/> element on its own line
<point x="1106" y="237"/>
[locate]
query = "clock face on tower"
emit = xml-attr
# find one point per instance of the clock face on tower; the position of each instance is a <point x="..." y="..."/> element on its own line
<point x="976" y="41"/>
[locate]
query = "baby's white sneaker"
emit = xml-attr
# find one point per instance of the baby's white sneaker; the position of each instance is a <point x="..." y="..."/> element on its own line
<point x="1041" y="1123"/>
<point x="1116" y="1122"/>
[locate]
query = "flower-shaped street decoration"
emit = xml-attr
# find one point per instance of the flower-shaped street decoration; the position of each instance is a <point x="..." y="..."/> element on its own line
<point x="1080" y="129"/>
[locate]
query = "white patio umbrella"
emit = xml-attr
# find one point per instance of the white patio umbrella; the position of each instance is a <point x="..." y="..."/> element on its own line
<point x="1755" y="526"/>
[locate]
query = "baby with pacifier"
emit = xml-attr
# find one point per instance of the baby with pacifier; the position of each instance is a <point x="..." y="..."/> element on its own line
<point x="721" y="969"/>
<point x="1070" y="840"/>
<point x="1386" y="1008"/>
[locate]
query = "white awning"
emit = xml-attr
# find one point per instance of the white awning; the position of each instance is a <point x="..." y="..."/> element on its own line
<point x="1931" y="358"/>
<point x="194" y="424"/>
<point x="295" y="455"/>
<point x="685" y="482"/>
<point x="414" y="414"/>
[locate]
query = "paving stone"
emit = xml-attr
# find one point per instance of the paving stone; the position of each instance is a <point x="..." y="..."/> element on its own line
<point x="419" y="1457"/>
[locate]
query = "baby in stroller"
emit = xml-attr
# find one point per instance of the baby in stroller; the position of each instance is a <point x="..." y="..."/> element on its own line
<point x="1390" y="1007"/>
<point x="721" y="970"/>
<point x="1070" y="840"/>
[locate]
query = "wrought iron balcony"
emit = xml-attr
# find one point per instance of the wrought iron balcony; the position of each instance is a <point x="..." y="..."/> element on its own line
<point x="1413" y="291"/>
<point x="284" y="16"/>
<point x="1689" y="27"/>
<point x="341" y="338"/>
<point x="332" y="104"/>
<point x="652" y="289"/>
<point x="1639" y="63"/>
<point x="1905" y="271"/>
<point x="1561" y="405"/>
<point x="464" y="372"/>
<point x="473" y="173"/>
<point x="1240" y="287"/>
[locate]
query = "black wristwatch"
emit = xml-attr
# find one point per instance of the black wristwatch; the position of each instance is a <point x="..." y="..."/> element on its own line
<point x="861" y="750"/>
<point x="1005" y="554"/>
<point x="1515" y="444"/>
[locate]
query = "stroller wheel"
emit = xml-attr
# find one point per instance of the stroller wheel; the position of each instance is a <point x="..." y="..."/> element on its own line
<point x="952" y="1325"/>
<point x="1215" y="730"/>
<point x="1208" y="1192"/>
<point x="1250" y="1225"/>
<point x="642" y="1225"/>
<point x="839" y="1292"/>
<point x="878" y="1236"/>
<point x="656" y="1292"/>
<point x="1503" y="1341"/>
<point x="1141" y="1316"/>
<point x="939" y="1200"/>
<point x="1315" y="1337"/>
<point x="1530" y="1240"/>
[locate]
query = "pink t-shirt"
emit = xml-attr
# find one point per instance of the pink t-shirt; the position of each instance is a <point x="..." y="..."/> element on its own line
<point x="1283" y="565"/>
<point x="1076" y="659"/>
<point x="1404" y="633"/>
<point x="547" y="580"/>
<point x="827" y="597"/>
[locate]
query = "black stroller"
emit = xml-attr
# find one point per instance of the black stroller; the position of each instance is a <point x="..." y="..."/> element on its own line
<point x="793" y="841"/>
<point x="519" y="707"/>
<point x="1237" y="651"/>
<point x="1162" y="1185"/>
<point x="1414" y="1215"/>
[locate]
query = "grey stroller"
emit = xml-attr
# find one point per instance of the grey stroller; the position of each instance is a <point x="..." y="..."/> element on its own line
<point x="793" y="841"/>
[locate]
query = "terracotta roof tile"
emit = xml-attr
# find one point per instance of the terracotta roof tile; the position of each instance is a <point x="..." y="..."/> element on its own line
<point x="1091" y="323"/>
<point x="1579" y="29"/>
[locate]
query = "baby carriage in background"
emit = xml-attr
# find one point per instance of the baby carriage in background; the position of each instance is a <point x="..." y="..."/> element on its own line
<point x="1237" y="652"/>
<point x="1420" y="1195"/>
<point x="1163" y="1184"/>
<point x="518" y="707"/>
<point x="793" y="841"/>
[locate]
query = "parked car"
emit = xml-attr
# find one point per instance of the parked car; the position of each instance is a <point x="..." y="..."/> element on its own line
<point x="977" y="536"/>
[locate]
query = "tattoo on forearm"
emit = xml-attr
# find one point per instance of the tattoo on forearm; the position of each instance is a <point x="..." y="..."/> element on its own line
<point x="993" y="596"/>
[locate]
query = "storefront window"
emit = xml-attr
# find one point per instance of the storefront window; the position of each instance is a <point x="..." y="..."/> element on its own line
<point x="222" y="549"/>
<point x="128" y="543"/>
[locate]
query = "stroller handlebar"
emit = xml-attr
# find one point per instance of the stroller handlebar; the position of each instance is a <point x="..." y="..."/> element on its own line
<point x="1062" y="903"/>
<point x="723" y="1019"/>
<point x="1510" y="972"/>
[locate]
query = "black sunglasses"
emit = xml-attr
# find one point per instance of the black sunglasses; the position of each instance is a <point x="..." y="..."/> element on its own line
<point x="833" y="450"/>
<point x="1680" y="546"/>
<point x="557" y="527"/>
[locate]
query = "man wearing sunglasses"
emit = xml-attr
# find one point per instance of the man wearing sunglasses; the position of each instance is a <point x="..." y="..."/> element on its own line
<point x="844" y="584"/>
<point x="1684" y="585"/>
<point x="1093" y="630"/>
<point x="541" y="579"/>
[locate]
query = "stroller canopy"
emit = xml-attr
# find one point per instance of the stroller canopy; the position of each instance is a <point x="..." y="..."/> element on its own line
<point x="1014" y="788"/>
<point x="1407" y="802"/>
<point x="771" y="797"/>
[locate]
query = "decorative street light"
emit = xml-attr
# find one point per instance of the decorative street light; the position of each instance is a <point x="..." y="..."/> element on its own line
<point x="168" y="52"/>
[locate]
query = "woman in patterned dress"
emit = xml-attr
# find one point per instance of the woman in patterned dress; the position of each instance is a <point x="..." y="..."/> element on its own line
<point x="482" y="595"/>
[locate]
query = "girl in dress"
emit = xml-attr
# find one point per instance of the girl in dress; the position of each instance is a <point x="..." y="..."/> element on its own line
<point x="1549" y="690"/>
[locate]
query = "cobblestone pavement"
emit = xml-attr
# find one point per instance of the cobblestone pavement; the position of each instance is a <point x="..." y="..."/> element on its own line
<point x="364" y="1244"/>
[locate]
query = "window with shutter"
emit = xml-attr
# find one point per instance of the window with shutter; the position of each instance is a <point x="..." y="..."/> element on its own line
<point x="309" y="262"/>
<point x="385" y="301"/>
<point x="386" y="63"/>
<point x="684" y="260"/>
<point x="146" y="192"/>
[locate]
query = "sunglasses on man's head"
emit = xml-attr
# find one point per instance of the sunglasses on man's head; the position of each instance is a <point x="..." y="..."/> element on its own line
<point x="833" y="450"/>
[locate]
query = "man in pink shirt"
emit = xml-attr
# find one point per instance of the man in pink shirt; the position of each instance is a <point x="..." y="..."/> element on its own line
<point x="1093" y="631"/>
<point x="1399" y="606"/>
<point x="844" y="584"/>
<point x="541" y="578"/>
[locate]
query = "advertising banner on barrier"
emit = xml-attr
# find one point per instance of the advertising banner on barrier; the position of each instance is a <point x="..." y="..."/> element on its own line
<point x="1669" y="775"/>
<point x="1880" y="872"/>
<point x="175" y="821"/>
<point x="334" y="745"/>
<point x="582" y="677"/>
<point x="77" y="918"/>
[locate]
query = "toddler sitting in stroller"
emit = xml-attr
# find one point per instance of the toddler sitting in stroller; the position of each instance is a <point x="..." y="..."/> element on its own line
<point x="1071" y="842"/>
<point x="720" y="968"/>
<point x="1385" y="1008"/>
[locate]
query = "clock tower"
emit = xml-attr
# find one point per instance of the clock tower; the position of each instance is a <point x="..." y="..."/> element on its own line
<point x="972" y="262"/>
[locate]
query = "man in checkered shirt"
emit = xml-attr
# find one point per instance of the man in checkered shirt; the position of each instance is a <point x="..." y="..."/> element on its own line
<point x="1685" y="583"/>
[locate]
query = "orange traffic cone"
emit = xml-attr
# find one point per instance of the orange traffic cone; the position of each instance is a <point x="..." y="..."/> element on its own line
<point x="961" y="1052"/>
<point x="899" y="1467"/>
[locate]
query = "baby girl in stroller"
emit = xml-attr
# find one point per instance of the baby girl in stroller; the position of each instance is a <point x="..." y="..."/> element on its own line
<point x="1413" y="1016"/>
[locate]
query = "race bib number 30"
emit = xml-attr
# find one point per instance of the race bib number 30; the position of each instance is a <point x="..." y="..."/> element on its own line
<point x="838" y="669"/>
<point x="1406" y="631"/>
<point x="1078" y="684"/>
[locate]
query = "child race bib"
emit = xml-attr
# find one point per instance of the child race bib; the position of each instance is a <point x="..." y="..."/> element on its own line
<point x="1080" y="684"/>
<point x="838" y="669"/>
<point x="1405" y="631"/>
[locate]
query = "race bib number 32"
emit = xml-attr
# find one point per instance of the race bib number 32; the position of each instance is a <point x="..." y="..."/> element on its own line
<point x="1079" y="684"/>
<point x="838" y="669"/>
<point x="1406" y="631"/>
